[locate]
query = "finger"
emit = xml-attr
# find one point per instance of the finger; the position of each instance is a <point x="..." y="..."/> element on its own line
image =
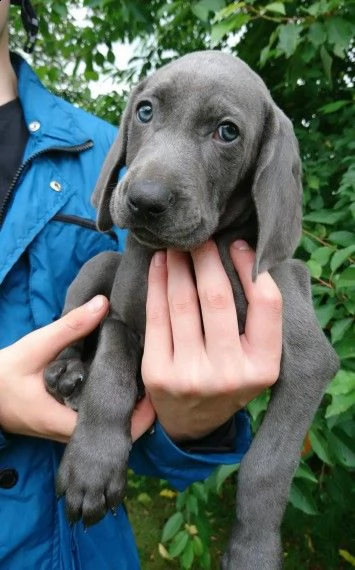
<point x="216" y="299"/>
<point x="158" y="338"/>
<point x="143" y="418"/>
<point x="57" y="421"/>
<point x="184" y="306"/>
<point x="263" y="328"/>
<point x="42" y="346"/>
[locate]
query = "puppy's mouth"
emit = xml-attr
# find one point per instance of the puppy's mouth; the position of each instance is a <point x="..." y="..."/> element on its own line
<point x="180" y="240"/>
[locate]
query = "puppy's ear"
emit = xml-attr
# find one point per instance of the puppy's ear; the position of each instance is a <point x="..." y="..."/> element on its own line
<point x="108" y="178"/>
<point x="277" y="192"/>
<point x="107" y="181"/>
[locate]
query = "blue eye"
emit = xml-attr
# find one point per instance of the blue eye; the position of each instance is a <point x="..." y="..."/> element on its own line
<point x="227" y="132"/>
<point x="144" y="112"/>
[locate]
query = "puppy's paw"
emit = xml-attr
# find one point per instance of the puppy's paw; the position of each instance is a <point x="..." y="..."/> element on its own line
<point x="64" y="379"/>
<point x="93" y="474"/>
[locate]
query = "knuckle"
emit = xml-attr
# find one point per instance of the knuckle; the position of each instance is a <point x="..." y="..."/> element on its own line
<point x="154" y="314"/>
<point x="270" y="300"/>
<point x="215" y="299"/>
<point x="154" y="377"/>
<point x="269" y="376"/>
<point x="182" y="304"/>
<point x="74" y="323"/>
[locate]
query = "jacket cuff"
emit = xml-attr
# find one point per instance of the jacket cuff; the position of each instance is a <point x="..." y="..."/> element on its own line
<point x="221" y="440"/>
<point x="155" y="454"/>
<point x="4" y="440"/>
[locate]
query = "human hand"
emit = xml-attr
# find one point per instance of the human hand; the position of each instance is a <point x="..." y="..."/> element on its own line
<point x="198" y="375"/>
<point x="25" y="406"/>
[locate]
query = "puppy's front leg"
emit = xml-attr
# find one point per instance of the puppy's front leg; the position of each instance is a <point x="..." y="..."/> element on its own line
<point x="92" y="474"/>
<point x="266" y="472"/>
<point x="65" y="376"/>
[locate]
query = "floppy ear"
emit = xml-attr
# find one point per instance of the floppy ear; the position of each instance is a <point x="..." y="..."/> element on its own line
<point x="108" y="178"/>
<point x="277" y="192"/>
<point x="107" y="181"/>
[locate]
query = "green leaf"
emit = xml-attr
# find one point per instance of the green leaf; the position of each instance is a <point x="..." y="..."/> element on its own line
<point x="198" y="545"/>
<point x="91" y="75"/>
<point x="289" y="38"/>
<point x="199" y="489"/>
<point x="205" y="560"/>
<point x="192" y="504"/>
<point x="223" y="28"/>
<point x="276" y="7"/>
<point x="257" y="406"/>
<point x="144" y="498"/>
<point x="301" y="498"/>
<point x="346" y="347"/>
<point x="315" y="268"/>
<point x="347" y="278"/>
<point x="343" y="383"/>
<point x="316" y="34"/>
<point x="304" y="472"/>
<point x="347" y="557"/>
<point x="322" y="254"/>
<point x="327" y="61"/>
<point x="340" y="33"/>
<point x="333" y="107"/>
<point x="342" y="447"/>
<point x="60" y="9"/>
<point x="339" y="328"/>
<point x="342" y="238"/>
<point x="203" y="8"/>
<point x="340" y="404"/>
<point x="324" y="217"/>
<point x="178" y="543"/>
<point x="172" y="526"/>
<point x="188" y="555"/>
<point x="325" y="313"/>
<point x="219" y="475"/>
<point x="320" y="445"/>
<point x="340" y="256"/>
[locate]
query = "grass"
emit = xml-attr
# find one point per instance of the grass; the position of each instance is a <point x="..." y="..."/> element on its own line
<point x="310" y="542"/>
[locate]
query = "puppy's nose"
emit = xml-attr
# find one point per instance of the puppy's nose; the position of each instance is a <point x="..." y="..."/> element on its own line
<point x="146" y="197"/>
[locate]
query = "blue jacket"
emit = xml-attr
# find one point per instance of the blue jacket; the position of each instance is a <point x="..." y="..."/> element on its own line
<point x="46" y="236"/>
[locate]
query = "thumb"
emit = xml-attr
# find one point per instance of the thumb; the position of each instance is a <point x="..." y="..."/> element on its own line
<point x="43" y="345"/>
<point x="143" y="417"/>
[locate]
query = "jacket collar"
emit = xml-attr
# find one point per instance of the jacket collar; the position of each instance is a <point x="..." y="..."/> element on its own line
<point x="57" y="126"/>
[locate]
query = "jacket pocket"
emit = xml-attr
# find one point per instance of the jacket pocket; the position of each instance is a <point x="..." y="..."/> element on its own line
<point x="84" y="223"/>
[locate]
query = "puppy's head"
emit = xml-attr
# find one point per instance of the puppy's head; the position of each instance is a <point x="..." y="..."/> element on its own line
<point x="205" y="149"/>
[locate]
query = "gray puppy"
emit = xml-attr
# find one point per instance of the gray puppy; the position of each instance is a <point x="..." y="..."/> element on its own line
<point x="209" y="154"/>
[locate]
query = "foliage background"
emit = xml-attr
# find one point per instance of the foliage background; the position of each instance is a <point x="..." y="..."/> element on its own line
<point x="305" y="53"/>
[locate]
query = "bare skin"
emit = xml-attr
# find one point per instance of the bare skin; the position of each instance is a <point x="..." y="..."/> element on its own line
<point x="199" y="376"/>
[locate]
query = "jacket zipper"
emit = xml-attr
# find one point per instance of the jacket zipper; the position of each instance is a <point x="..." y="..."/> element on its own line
<point x="83" y="222"/>
<point x="69" y="149"/>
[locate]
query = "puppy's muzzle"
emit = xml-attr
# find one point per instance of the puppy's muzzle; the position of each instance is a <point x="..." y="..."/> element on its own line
<point x="147" y="198"/>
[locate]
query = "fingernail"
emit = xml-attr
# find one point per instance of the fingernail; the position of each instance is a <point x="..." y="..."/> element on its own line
<point x="241" y="245"/>
<point x="96" y="304"/>
<point x="159" y="258"/>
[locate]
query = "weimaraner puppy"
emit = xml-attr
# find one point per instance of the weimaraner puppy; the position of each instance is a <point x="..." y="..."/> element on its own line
<point x="208" y="154"/>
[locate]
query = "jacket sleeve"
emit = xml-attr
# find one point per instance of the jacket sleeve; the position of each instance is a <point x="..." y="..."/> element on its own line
<point x="4" y="442"/>
<point x="155" y="454"/>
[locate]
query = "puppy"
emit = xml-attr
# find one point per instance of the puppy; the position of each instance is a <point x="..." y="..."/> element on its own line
<point x="208" y="154"/>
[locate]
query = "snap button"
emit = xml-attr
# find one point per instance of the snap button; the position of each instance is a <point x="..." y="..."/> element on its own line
<point x="8" y="478"/>
<point x="55" y="185"/>
<point x="34" y="126"/>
